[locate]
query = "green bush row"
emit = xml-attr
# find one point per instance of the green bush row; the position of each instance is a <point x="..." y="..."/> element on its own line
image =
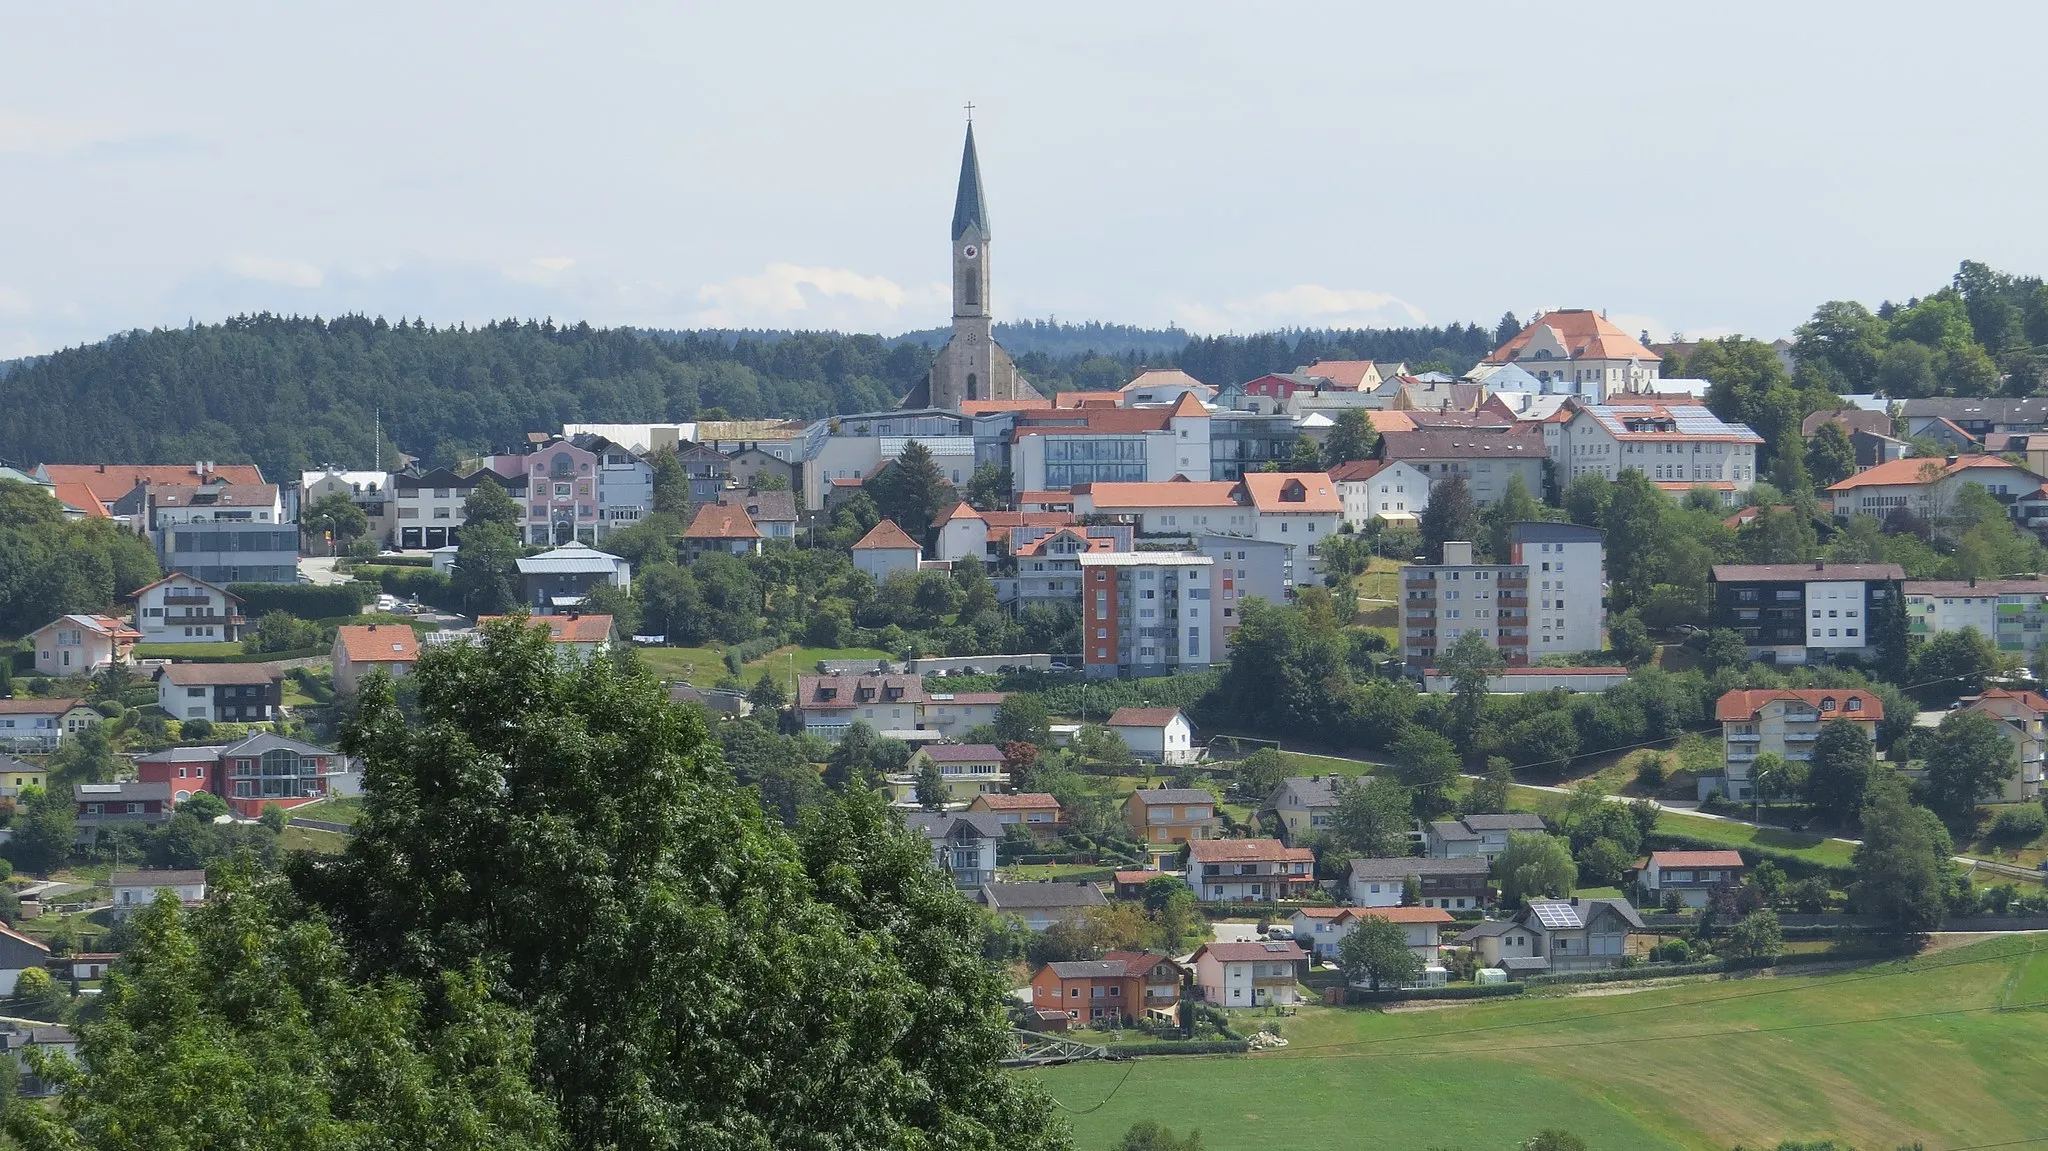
<point x="302" y="600"/>
<point x="1462" y="991"/>
<point x="747" y="651"/>
<point x="1192" y="1047"/>
<point x="428" y="586"/>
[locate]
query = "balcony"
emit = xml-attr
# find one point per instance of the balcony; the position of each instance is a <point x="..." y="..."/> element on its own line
<point x="1802" y="717"/>
<point x="1743" y="755"/>
<point x="1520" y="601"/>
<point x="1801" y="736"/>
<point x="1745" y="737"/>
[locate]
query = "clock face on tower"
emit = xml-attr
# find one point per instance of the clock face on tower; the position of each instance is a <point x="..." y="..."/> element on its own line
<point x="969" y="252"/>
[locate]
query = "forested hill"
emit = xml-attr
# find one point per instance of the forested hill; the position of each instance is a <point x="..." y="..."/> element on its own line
<point x="292" y="393"/>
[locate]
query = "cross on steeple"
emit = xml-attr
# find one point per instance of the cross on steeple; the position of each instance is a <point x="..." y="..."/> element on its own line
<point x="970" y="111"/>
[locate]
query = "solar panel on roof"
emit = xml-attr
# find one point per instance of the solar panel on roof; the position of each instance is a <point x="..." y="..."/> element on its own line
<point x="1556" y="915"/>
<point x="1276" y="947"/>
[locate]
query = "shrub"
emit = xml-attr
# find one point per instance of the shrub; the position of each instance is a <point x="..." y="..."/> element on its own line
<point x="2018" y="825"/>
<point x="110" y="708"/>
<point x="1672" y="951"/>
<point x="1650" y="772"/>
<point x="302" y="600"/>
<point x="197" y="728"/>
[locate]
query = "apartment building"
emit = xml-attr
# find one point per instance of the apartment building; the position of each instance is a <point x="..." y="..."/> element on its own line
<point x="1059" y="448"/>
<point x="1249" y="870"/>
<point x="1391" y="490"/>
<point x="1485" y="456"/>
<point x="1791" y="613"/>
<point x="1561" y="567"/>
<point x="969" y="769"/>
<point x="561" y="491"/>
<point x="1297" y="509"/>
<point x="1145" y="613"/>
<point x="1245" y="568"/>
<point x="182" y="608"/>
<point x="2021" y="716"/>
<point x="1928" y="488"/>
<point x="1784" y="721"/>
<point x="1676" y="446"/>
<point x="428" y="507"/>
<point x="2011" y="613"/>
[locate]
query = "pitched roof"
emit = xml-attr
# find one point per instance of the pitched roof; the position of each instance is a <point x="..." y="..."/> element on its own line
<point x="157" y="878"/>
<point x="1310" y="790"/>
<point x="962" y="752"/>
<point x="764" y="507"/>
<point x="1636" y="422"/>
<point x="1922" y="470"/>
<point x="1452" y="829"/>
<point x="1143" y="716"/>
<point x="1349" y="374"/>
<point x="1091" y="421"/>
<point x="844" y="690"/>
<point x="564" y="628"/>
<point x="1246" y="851"/>
<point x="1739" y="705"/>
<point x="79" y="497"/>
<point x="1464" y="443"/>
<point x="1585" y="334"/>
<point x="1163" y="378"/>
<point x="886" y="536"/>
<point x="2026" y="412"/>
<point x="1402" y="914"/>
<point x="1159" y="494"/>
<point x="1851" y="419"/>
<point x="37" y="706"/>
<point x="184" y="578"/>
<point x="1022" y="801"/>
<point x="1353" y="471"/>
<point x="1386" y="420"/>
<point x="1002" y="896"/>
<point x="378" y="643"/>
<point x="1175" y="795"/>
<point x="1508" y="821"/>
<point x="1292" y="492"/>
<point x="1696" y="858"/>
<point x="221" y="674"/>
<point x="722" y="522"/>
<point x="1983" y="587"/>
<point x="968" y="698"/>
<point x="105" y="625"/>
<point x="1142" y="876"/>
<point x="1801" y="573"/>
<point x="127" y="791"/>
<point x="2031" y="700"/>
<point x="1251" y="952"/>
<point x="1403" y="866"/>
<point x="214" y="495"/>
<point x="970" y="208"/>
<point x="109" y="482"/>
<point x="568" y="559"/>
<point x="937" y="825"/>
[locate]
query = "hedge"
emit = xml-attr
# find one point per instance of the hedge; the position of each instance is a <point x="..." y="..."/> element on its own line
<point x="1709" y="966"/>
<point x="1167" y="1047"/>
<point x="741" y="654"/>
<point x="428" y="586"/>
<point x="305" y="601"/>
<point x="228" y="653"/>
<point x="1462" y="991"/>
<point x="405" y="561"/>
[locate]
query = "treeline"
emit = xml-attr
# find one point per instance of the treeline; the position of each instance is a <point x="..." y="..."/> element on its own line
<point x="1986" y="332"/>
<point x="50" y="566"/>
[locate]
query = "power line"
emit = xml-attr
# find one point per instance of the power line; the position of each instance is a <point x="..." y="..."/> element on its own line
<point x="1105" y="1099"/>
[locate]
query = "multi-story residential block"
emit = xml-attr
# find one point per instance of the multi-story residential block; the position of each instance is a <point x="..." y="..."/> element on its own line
<point x="829" y="705"/>
<point x="1927" y="488"/>
<point x="81" y="644"/>
<point x="1249" y="974"/>
<point x="1177" y="509"/>
<point x="2011" y="613"/>
<point x="2020" y="716"/>
<point x="427" y="507"/>
<point x="262" y="769"/>
<point x="1457" y="884"/>
<point x="221" y="692"/>
<point x="963" y="844"/>
<point x="969" y="769"/>
<point x="181" y="608"/>
<point x="1242" y="442"/>
<point x="559" y="580"/>
<point x="561" y="498"/>
<point x="1693" y="875"/>
<point x="1116" y="990"/>
<point x="1390" y="490"/>
<point x="1791" y="613"/>
<point x="1061" y="447"/>
<point x="1783" y="721"/>
<point x="1579" y="348"/>
<point x="1249" y="870"/>
<point x="625" y="484"/>
<point x="965" y="533"/>
<point x="1562" y="567"/>
<point x="93" y="490"/>
<point x="1676" y="446"/>
<point x="1049" y="565"/>
<point x="1484" y="836"/>
<point x="1300" y="510"/>
<point x="1245" y="568"/>
<point x="855" y="446"/>
<point x="1484" y="456"/>
<point x="954" y="713"/>
<point x="42" y="725"/>
<point x="1145" y="613"/>
<point x="1163" y="818"/>
<point x="707" y="469"/>
<point x="370" y="491"/>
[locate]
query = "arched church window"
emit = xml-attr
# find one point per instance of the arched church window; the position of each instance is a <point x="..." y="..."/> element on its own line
<point x="970" y="286"/>
<point x="973" y="386"/>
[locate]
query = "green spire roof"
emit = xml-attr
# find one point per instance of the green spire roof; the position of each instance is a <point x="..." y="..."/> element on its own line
<point x="968" y="205"/>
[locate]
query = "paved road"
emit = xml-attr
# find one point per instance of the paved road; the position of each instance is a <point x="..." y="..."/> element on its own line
<point x="320" y="569"/>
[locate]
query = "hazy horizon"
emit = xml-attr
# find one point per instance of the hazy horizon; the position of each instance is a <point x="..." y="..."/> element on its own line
<point x="1694" y="170"/>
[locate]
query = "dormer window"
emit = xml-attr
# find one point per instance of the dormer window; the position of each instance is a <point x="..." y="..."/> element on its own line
<point x="828" y="693"/>
<point x="1827" y="703"/>
<point x="1853" y="704"/>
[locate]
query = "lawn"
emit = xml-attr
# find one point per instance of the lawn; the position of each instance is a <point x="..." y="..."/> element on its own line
<point x="341" y="809"/>
<point x="1873" y="1057"/>
<point x="317" y="842"/>
<point x="699" y="666"/>
<point x="705" y="666"/>
<point x="1815" y="848"/>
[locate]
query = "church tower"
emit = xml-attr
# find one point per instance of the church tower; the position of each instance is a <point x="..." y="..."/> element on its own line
<point x="972" y="366"/>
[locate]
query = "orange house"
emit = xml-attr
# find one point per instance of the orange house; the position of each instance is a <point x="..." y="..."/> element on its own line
<point x="1115" y="990"/>
<point x="1171" y="815"/>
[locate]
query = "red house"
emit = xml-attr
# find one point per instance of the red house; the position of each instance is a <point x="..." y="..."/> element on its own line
<point x="1278" y="386"/>
<point x="260" y="770"/>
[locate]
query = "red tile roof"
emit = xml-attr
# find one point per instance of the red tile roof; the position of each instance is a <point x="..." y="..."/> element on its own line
<point x="1143" y="716"/>
<point x="722" y="522"/>
<point x="1348" y="374"/>
<point x="1269" y="492"/>
<point x="1246" y="851"/>
<point x="1087" y="399"/>
<point x="109" y="482"/>
<point x="1697" y="858"/>
<point x="1740" y="705"/>
<point x="1023" y="801"/>
<point x="37" y="706"/>
<point x="1920" y="471"/>
<point x="1141" y="876"/>
<point x="565" y="629"/>
<point x="1387" y="420"/>
<point x="1586" y="334"/>
<point x="79" y="496"/>
<point x="378" y="643"/>
<point x="1189" y="407"/>
<point x="1251" y="952"/>
<point x="1159" y="494"/>
<point x="1353" y="471"/>
<point x="886" y="536"/>
<point x="2032" y="700"/>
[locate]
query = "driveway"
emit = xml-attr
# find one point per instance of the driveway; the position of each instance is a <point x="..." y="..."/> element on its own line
<point x="320" y="570"/>
<point x="1236" y="932"/>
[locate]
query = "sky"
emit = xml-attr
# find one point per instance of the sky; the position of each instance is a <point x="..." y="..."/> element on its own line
<point x="1694" y="168"/>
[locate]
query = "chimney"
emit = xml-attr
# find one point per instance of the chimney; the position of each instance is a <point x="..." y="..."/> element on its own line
<point x="103" y="469"/>
<point x="1820" y="565"/>
<point x="1458" y="553"/>
<point x="1952" y="461"/>
<point x="373" y="627"/>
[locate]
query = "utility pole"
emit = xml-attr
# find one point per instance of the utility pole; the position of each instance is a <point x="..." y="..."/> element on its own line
<point x="377" y="423"/>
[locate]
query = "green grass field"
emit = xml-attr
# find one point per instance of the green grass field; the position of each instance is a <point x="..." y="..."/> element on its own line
<point x="1814" y="848"/>
<point x="705" y="666"/>
<point x="1875" y="1056"/>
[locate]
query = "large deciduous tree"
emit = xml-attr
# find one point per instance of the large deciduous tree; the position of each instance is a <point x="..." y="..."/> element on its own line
<point x="1372" y="817"/>
<point x="1376" y="952"/>
<point x="696" y="977"/>
<point x="1353" y="438"/>
<point x="1839" y="773"/>
<point x="1451" y="515"/>
<point x="1969" y="761"/>
<point x="1902" y="865"/>
<point x="1535" y="866"/>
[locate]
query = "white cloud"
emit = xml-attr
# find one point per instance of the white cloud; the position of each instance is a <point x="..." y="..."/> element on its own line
<point x="1301" y="306"/>
<point x="271" y="270"/>
<point x="540" y="269"/>
<point x="787" y="295"/>
<point x="23" y="134"/>
<point x="13" y="303"/>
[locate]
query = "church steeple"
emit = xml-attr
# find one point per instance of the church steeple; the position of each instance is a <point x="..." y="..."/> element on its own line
<point x="969" y="208"/>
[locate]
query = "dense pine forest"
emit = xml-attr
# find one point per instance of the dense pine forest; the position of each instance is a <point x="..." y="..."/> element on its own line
<point x="289" y="393"/>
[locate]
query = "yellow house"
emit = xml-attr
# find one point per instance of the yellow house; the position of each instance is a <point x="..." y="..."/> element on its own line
<point x="1161" y="816"/>
<point x="969" y="769"/>
<point x="16" y="774"/>
<point x="1305" y="805"/>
